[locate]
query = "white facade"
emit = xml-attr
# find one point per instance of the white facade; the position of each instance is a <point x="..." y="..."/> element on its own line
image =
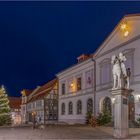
<point x="36" y="106"/>
<point x="75" y="90"/>
<point x="116" y="42"/>
<point x="16" y="116"/>
<point x="40" y="104"/>
<point x="23" y="110"/>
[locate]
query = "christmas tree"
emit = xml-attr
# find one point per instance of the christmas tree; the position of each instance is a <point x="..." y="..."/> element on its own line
<point x="5" y="117"/>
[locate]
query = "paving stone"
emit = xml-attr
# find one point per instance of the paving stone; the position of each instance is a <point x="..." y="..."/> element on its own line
<point x="63" y="132"/>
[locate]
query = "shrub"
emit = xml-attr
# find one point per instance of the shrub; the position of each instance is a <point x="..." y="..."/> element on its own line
<point x="88" y="117"/>
<point x="138" y="121"/>
<point x="104" y="117"/>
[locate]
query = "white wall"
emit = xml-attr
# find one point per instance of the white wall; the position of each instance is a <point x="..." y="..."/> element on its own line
<point x="83" y="95"/>
<point x="133" y="45"/>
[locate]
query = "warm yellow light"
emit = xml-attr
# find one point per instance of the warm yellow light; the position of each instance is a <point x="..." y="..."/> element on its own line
<point x="23" y="93"/>
<point x="123" y="26"/>
<point x="125" y="29"/>
<point x="33" y="113"/>
<point x="126" y="33"/>
<point x="71" y="84"/>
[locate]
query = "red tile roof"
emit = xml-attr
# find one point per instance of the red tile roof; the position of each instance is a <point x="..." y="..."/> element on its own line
<point x="43" y="90"/>
<point x="48" y="85"/>
<point x="27" y="91"/>
<point x="14" y="102"/>
<point x="38" y="97"/>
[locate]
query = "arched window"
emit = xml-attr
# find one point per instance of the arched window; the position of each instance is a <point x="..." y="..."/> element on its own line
<point x="70" y="108"/>
<point x="79" y="107"/>
<point x="63" y="108"/>
<point x="90" y="105"/>
<point x="107" y="104"/>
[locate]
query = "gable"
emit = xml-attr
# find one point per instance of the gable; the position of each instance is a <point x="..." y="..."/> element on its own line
<point x="117" y="38"/>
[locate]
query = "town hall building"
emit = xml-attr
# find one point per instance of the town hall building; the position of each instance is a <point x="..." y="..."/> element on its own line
<point x="85" y="86"/>
<point x="76" y="91"/>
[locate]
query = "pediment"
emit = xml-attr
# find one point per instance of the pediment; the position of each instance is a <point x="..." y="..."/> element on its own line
<point x="117" y="39"/>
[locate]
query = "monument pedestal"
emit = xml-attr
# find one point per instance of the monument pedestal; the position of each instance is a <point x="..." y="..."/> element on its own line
<point x="121" y="126"/>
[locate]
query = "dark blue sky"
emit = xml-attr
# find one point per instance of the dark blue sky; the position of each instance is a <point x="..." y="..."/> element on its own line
<point x="39" y="39"/>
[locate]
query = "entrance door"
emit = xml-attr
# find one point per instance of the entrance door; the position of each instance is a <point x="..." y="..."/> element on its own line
<point x="131" y="107"/>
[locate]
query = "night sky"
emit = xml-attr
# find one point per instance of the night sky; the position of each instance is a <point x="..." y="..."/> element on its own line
<point x="39" y="39"/>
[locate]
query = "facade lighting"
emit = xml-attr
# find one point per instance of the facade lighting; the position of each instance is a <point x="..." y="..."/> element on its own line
<point x="125" y="29"/>
<point x="123" y="26"/>
<point x="71" y="84"/>
<point x="126" y="33"/>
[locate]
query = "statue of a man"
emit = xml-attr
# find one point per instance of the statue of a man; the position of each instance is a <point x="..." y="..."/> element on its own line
<point x="121" y="75"/>
<point x="122" y="59"/>
<point x="116" y="72"/>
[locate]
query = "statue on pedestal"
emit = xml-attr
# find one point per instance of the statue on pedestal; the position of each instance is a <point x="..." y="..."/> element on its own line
<point x="120" y="91"/>
<point x="121" y="75"/>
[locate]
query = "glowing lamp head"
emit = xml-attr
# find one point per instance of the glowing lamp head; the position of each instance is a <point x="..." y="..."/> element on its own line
<point x="71" y="84"/>
<point x="123" y="26"/>
<point x="124" y="29"/>
<point x="33" y="113"/>
<point x="126" y="33"/>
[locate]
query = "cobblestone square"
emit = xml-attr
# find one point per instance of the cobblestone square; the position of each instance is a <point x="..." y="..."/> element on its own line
<point x="62" y="132"/>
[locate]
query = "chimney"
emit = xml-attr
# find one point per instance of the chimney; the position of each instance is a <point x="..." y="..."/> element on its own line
<point x="82" y="57"/>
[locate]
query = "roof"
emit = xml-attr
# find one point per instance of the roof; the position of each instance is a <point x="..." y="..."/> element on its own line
<point x="110" y="34"/>
<point x="43" y="90"/>
<point x="73" y="66"/>
<point x="14" y="102"/>
<point x="48" y="85"/>
<point x="38" y="96"/>
<point x="27" y="92"/>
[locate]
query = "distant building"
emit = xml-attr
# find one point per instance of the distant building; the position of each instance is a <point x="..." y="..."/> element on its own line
<point x="25" y="93"/>
<point x="14" y="104"/>
<point x="41" y="102"/>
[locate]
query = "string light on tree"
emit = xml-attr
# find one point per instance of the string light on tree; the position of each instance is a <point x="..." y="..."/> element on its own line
<point x="5" y="117"/>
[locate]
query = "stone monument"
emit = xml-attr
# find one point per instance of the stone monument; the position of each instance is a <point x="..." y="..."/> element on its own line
<point x="120" y="91"/>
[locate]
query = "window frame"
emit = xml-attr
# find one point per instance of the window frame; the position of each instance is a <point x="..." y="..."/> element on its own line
<point x="79" y="107"/>
<point x="70" y="108"/>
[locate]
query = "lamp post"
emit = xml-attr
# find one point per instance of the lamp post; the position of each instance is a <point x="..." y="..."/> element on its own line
<point x="94" y="87"/>
<point x="33" y="116"/>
